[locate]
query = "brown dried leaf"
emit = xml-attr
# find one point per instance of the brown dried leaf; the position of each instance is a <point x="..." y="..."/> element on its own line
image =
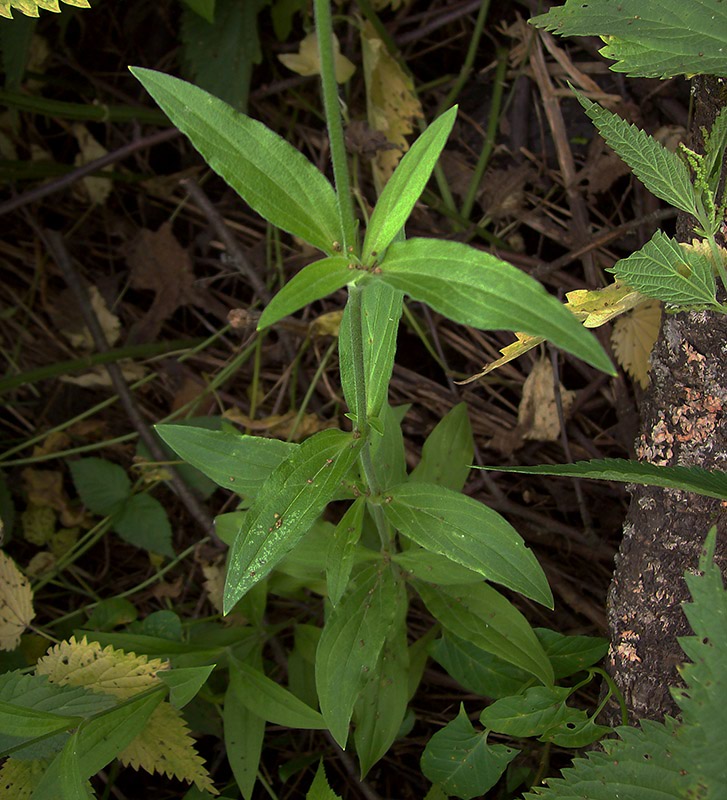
<point x="538" y="413"/>
<point x="633" y="338"/>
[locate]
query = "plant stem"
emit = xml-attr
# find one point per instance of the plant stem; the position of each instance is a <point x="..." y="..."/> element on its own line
<point x="324" y="30"/>
<point x="354" y="308"/>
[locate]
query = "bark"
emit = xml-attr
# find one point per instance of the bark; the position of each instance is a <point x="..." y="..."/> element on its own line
<point x="683" y="421"/>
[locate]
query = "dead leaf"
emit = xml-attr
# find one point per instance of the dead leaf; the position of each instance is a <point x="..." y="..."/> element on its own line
<point x="633" y="339"/>
<point x="70" y="323"/>
<point x="538" y="414"/>
<point x="98" y="189"/>
<point x="16" y="603"/>
<point x="326" y="324"/>
<point x="99" y="377"/>
<point x="280" y="425"/>
<point x="53" y="443"/>
<point x="524" y="343"/>
<point x="214" y="584"/>
<point x="392" y="106"/>
<point x="44" y="487"/>
<point x="596" y="307"/>
<point x="41" y="564"/>
<point x="307" y="60"/>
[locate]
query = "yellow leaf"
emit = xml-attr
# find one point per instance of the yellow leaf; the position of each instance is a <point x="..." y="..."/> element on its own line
<point x="38" y="524"/>
<point x="165" y="745"/>
<point x="19" y="779"/>
<point x="98" y="189"/>
<point x="326" y="324"/>
<point x="80" y="337"/>
<point x="16" y="603"/>
<point x="596" y="307"/>
<point x="538" y="413"/>
<point x="510" y="353"/>
<point x="633" y="338"/>
<point x="391" y="103"/>
<point x="307" y="60"/>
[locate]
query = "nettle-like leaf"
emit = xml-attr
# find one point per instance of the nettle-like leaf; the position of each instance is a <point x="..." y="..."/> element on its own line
<point x="459" y="760"/>
<point x="475" y="288"/>
<point x="165" y="744"/>
<point x="16" y="603"/>
<point x="663" y="173"/>
<point x="295" y="494"/>
<point x="669" y="760"/>
<point x="649" y="38"/>
<point x="685" y="479"/>
<point x="274" y="178"/>
<point x="239" y="463"/>
<point x="350" y="645"/>
<point x="668" y="271"/>
<point x="319" y="789"/>
<point x="31" y="8"/>
<point x="467" y="532"/>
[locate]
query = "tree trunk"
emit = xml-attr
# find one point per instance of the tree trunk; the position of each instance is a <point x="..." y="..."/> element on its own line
<point x="683" y="421"/>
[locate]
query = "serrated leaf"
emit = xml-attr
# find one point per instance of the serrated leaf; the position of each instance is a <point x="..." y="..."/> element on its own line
<point x="16" y="603"/>
<point x="686" y="479"/>
<point x="313" y="282"/>
<point x="267" y="699"/>
<point x="284" y="510"/>
<point x="381" y="309"/>
<point x="101" y="485"/>
<point x="381" y="706"/>
<point x="405" y="186"/>
<point x="184" y="683"/>
<point x="319" y="789"/>
<point x="667" y="271"/>
<point x="272" y="176"/>
<point x="651" y="39"/>
<point x="461" y="762"/>
<point x="477" y="670"/>
<point x="663" y="173"/>
<point x="475" y="288"/>
<point x="482" y="616"/>
<point x="447" y="451"/>
<point x="221" y="49"/>
<point x="238" y="463"/>
<point x="633" y="338"/>
<point x="340" y="555"/>
<point x="467" y="532"/>
<point x="144" y="523"/>
<point x="350" y="645"/>
<point x="19" y="778"/>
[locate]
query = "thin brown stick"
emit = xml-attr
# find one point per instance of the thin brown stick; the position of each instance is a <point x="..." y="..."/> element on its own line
<point x="57" y="248"/>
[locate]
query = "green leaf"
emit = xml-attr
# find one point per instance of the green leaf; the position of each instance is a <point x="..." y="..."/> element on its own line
<point x="219" y="53"/>
<point x="477" y="670"/>
<point x="112" y="612"/>
<point x="475" y="288"/>
<point x="319" y="789"/>
<point x="532" y="713"/>
<point x="448" y="451"/>
<point x="143" y="522"/>
<point x="381" y="706"/>
<point x="264" y="697"/>
<point x="341" y="550"/>
<point x="460" y="761"/>
<point x="286" y="507"/>
<point x="350" y="645"/>
<point x="405" y="186"/>
<point x="239" y="463"/>
<point x="272" y="176"/>
<point x="184" y="683"/>
<point x="427" y="566"/>
<point x="28" y="723"/>
<point x="686" y="479"/>
<point x="653" y="39"/>
<point x="205" y="8"/>
<point x="388" y="453"/>
<point x="467" y="532"/>
<point x="663" y="173"/>
<point x="313" y="282"/>
<point x="571" y="654"/>
<point x="667" y="271"/>
<point x="381" y="310"/>
<point x="244" y="734"/>
<point x="101" y="485"/>
<point x="576" y="730"/>
<point x="715" y="143"/>
<point x="482" y="616"/>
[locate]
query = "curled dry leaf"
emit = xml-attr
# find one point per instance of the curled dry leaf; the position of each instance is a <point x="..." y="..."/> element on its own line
<point x="538" y="413"/>
<point x="97" y="189"/>
<point x="633" y="338"/>
<point x="16" y="603"/>
<point x="307" y="60"/>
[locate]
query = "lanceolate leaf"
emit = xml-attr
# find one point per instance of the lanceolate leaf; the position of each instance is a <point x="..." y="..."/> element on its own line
<point x="460" y="760"/>
<point x="266" y="171"/>
<point x="686" y="479"/>
<point x="262" y="696"/>
<point x="663" y="173"/>
<point x="652" y="38"/>
<point x="482" y="616"/>
<point x="447" y="452"/>
<point x="313" y="282"/>
<point x="239" y="463"/>
<point x="467" y="532"/>
<point x="405" y="186"/>
<point x="477" y="289"/>
<point x="350" y="645"/>
<point x="340" y="555"/>
<point x="665" y="270"/>
<point x="295" y="494"/>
